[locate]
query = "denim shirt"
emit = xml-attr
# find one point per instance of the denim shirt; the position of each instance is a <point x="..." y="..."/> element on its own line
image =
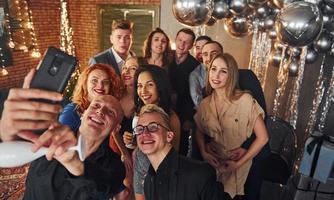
<point x="197" y="82"/>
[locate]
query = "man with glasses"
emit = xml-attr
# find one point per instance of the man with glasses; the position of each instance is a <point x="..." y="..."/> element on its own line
<point x="172" y="176"/>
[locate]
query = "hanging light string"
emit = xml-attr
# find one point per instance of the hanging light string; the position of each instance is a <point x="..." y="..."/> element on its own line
<point x="11" y="43"/>
<point x="66" y="43"/>
<point x="319" y="92"/>
<point x="3" y="71"/>
<point x="292" y="108"/>
<point x="252" y="60"/>
<point x="328" y="102"/>
<point x="30" y="26"/>
<point x="282" y="79"/>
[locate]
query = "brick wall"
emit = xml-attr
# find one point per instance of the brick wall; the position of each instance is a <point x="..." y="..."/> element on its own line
<point x="46" y="19"/>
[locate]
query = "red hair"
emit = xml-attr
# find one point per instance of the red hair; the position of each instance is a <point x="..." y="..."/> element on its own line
<point x="80" y="93"/>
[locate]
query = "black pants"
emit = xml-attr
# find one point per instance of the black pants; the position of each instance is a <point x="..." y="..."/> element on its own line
<point x="254" y="180"/>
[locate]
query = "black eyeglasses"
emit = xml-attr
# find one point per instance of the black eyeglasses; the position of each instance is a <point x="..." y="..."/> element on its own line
<point x="151" y="128"/>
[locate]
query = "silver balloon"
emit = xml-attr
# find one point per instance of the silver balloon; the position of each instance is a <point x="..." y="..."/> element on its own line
<point x="293" y="67"/>
<point x="220" y="10"/>
<point x="269" y="22"/>
<point x="282" y="3"/>
<point x="275" y="58"/>
<point x="211" y="21"/>
<point x="299" y="24"/>
<point x="327" y="9"/>
<point x="272" y="34"/>
<point x="311" y="56"/>
<point x="262" y="12"/>
<point x="328" y="21"/>
<point x="256" y="3"/>
<point x="238" y="26"/>
<point x="261" y="26"/>
<point x="192" y="12"/>
<point x="238" y="7"/>
<point x="329" y="2"/>
<point x="294" y="51"/>
<point x="323" y="43"/>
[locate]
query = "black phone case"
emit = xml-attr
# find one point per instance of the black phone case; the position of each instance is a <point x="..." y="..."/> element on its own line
<point x="55" y="71"/>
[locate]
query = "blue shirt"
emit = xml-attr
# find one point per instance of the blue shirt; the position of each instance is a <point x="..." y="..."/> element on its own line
<point x="69" y="116"/>
<point x="197" y="81"/>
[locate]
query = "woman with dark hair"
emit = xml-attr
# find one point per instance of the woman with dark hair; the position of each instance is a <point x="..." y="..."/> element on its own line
<point x="151" y="87"/>
<point x="156" y="49"/>
<point x="229" y="116"/>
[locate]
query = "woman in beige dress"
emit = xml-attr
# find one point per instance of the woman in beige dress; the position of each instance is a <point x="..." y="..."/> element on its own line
<point x="229" y="116"/>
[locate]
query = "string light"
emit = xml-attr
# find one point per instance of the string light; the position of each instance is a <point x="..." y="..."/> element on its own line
<point x="3" y="71"/>
<point x="11" y="43"/>
<point x="66" y="43"/>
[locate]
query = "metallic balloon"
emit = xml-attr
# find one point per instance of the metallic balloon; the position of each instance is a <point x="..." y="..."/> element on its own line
<point x="328" y="21"/>
<point x="211" y="21"/>
<point x="275" y="58"/>
<point x="238" y="26"/>
<point x="262" y="12"/>
<point x="299" y="24"/>
<point x="323" y="43"/>
<point x="256" y="3"/>
<point x="282" y="3"/>
<point x="261" y="26"/>
<point x="330" y="3"/>
<point x="327" y="9"/>
<point x="294" y="51"/>
<point x="311" y="56"/>
<point x="192" y="12"/>
<point x="269" y="22"/>
<point x="220" y="10"/>
<point x="293" y="67"/>
<point x="272" y="34"/>
<point x="237" y="7"/>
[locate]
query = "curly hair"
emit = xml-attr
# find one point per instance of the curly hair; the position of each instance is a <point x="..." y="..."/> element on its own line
<point x="147" y="52"/>
<point x="80" y="93"/>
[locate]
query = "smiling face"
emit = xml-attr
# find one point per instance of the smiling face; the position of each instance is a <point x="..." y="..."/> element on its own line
<point x="209" y="51"/>
<point x="100" y="118"/>
<point x="198" y="49"/>
<point x="98" y="83"/>
<point x="159" y="43"/>
<point x="147" y="89"/>
<point x="129" y="70"/>
<point x="183" y="42"/>
<point x="121" y="40"/>
<point x="218" y="74"/>
<point x="155" y="142"/>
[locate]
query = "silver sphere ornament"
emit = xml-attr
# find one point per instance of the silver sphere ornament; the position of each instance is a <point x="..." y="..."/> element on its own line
<point x="238" y="7"/>
<point x="275" y="58"/>
<point x="238" y="27"/>
<point x="256" y="3"/>
<point x="326" y="9"/>
<point x="293" y="67"/>
<point x="282" y="3"/>
<point x="299" y="24"/>
<point x="311" y="56"/>
<point x="262" y="12"/>
<point x="323" y="43"/>
<point x="294" y="51"/>
<point x="269" y="22"/>
<point x="220" y="10"/>
<point x="272" y="34"/>
<point x="328" y="21"/>
<point x="192" y="12"/>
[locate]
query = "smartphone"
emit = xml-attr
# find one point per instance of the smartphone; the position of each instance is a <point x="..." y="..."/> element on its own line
<point x="54" y="71"/>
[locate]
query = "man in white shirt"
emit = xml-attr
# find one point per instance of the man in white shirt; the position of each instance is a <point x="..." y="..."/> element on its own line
<point x="121" y="39"/>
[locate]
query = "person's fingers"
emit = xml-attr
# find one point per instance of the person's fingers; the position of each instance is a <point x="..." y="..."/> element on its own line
<point x="43" y="140"/>
<point x="19" y="93"/>
<point x="31" y="125"/>
<point x="33" y="106"/>
<point x="28" y="135"/>
<point x="28" y="78"/>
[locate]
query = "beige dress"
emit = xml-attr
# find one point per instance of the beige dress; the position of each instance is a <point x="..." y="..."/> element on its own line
<point x="229" y="128"/>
